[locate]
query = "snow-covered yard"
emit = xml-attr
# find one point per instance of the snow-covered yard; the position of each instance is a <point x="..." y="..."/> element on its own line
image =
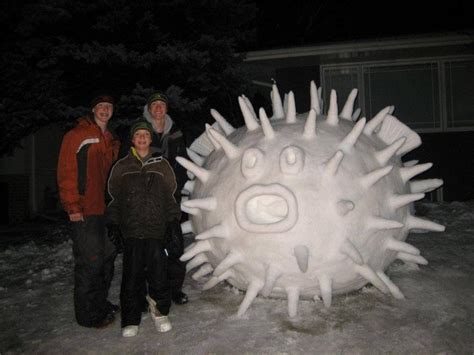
<point x="437" y="315"/>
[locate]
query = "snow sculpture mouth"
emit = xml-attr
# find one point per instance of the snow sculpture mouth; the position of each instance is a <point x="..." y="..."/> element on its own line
<point x="266" y="209"/>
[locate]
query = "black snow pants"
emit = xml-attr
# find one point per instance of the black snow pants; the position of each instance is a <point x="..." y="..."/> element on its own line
<point x="176" y="268"/>
<point x="94" y="257"/>
<point x="144" y="263"/>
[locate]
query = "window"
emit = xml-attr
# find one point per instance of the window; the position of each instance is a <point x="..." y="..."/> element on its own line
<point x="459" y="93"/>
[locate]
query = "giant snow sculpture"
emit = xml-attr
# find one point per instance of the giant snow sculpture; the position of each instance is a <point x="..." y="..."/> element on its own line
<point x="303" y="205"/>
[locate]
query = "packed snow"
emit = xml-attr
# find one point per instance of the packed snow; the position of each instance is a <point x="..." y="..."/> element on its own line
<point x="437" y="315"/>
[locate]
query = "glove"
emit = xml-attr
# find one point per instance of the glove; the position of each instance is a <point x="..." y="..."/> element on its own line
<point x="115" y="236"/>
<point x="174" y="237"/>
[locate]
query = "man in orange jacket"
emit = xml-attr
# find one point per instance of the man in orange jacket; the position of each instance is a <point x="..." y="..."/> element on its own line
<point x="87" y="153"/>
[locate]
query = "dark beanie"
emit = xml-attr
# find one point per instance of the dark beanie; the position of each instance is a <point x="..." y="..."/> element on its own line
<point x="102" y="98"/>
<point x="141" y="125"/>
<point x="157" y="96"/>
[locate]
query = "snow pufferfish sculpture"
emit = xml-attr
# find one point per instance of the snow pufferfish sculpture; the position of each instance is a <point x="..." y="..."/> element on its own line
<point x="303" y="205"/>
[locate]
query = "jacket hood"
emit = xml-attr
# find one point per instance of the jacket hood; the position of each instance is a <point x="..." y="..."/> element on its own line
<point x="168" y="121"/>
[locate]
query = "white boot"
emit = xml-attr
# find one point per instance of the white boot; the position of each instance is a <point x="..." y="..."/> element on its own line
<point x="130" y="331"/>
<point x="162" y="323"/>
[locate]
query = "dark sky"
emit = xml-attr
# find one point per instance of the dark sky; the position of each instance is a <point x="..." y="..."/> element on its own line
<point x="296" y="22"/>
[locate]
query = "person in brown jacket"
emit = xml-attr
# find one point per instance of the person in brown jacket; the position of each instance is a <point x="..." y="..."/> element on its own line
<point x="86" y="156"/>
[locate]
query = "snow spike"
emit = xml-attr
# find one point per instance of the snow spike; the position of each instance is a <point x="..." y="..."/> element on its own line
<point x="384" y="155"/>
<point x="410" y="163"/>
<point x="230" y="150"/>
<point x="293" y="295"/>
<point x="333" y="164"/>
<point x="249" y="119"/>
<point x="397" y="245"/>
<point x="408" y="173"/>
<point x="350" y="140"/>
<point x="189" y="210"/>
<point x="230" y="260"/>
<point x="190" y="246"/>
<point x="222" y="122"/>
<point x="267" y="128"/>
<point x="332" y="118"/>
<point x="207" y="204"/>
<point x="214" y="142"/>
<point x="271" y="276"/>
<point x="187" y="227"/>
<point x="344" y="207"/>
<point x="292" y="160"/>
<point x="252" y="291"/>
<point x="348" y="108"/>
<point x="196" y="261"/>
<point x="200" y="247"/>
<point x="349" y="249"/>
<point x="314" y="98"/>
<point x="217" y="231"/>
<point x="398" y="201"/>
<point x="413" y="222"/>
<point x="426" y="185"/>
<point x="367" y="273"/>
<point x="392" y="109"/>
<point x="291" y="114"/>
<point x="382" y="223"/>
<point x="189" y="186"/>
<point x="375" y="176"/>
<point x="325" y="286"/>
<point x="213" y="281"/>
<point x="195" y="157"/>
<point x="410" y="258"/>
<point x="356" y="114"/>
<point x="249" y="105"/>
<point x="310" y="125"/>
<point x="277" y="105"/>
<point x="394" y="290"/>
<point x="204" y="270"/>
<point x="202" y="174"/>
<point x="302" y="254"/>
<point x="376" y="121"/>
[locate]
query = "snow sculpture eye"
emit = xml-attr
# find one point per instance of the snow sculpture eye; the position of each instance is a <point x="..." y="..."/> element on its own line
<point x="292" y="160"/>
<point x="252" y="163"/>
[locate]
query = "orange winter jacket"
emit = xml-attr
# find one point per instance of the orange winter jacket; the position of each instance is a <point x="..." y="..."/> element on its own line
<point x="85" y="159"/>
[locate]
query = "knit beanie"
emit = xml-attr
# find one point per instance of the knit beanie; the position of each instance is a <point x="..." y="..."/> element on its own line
<point x="157" y="96"/>
<point x="141" y="125"/>
<point x="102" y="98"/>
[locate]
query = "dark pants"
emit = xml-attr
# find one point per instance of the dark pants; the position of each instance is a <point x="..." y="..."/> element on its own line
<point x="94" y="257"/>
<point x="176" y="268"/>
<point x="144" y="262"/>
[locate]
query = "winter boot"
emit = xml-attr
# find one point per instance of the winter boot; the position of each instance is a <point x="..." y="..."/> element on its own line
<point x="162" y="323"/>
<point x="129" y="331"/>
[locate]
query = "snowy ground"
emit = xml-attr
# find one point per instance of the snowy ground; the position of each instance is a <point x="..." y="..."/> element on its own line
<point x="437" y="315"/>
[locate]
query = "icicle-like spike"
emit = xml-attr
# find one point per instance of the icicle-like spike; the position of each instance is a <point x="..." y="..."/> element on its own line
<point x="394" y="290"/>
<point x="249" y="105"/>
<point x="230" y="260"/>
<point x="310" y="125"/>
<point x="408" y="173"/>
<point x="391" y="110"/>
<point x="367" y="273"/>
<point x="207" y="204"/>
<point x="189" y="247"/>
<point x="350" y="140"/>
<point x="333" y="164"/>
<point x="424" y="186"/>
<point x="189" y="210"/>
<point x="413" y="222"/>
<point x="384" y="155"/>
<point x="214" y="142"/>
<point x="196" y="261"/>
<point x="376" y="121"/>
<point x="226" y="126"/>
<point x="195" y="157"/>
<point x="332" y="116"/>
<point x="398" y="201"/>
<point x="277" y="104"/>
<point x="250" y="120"/>
<point x="293" y="295"/>
<point x="325" y="286"/>
<point x="375" y="176"/>
<point x="217" y="231"/>
<point x="356" y="114"/>
<point x="381" y="223"/>
<point x="314" y="98"/>
<point x="410" y="258"/>
<point x="213" y="281"/>
<point x="187" y="227"/>
<point x="291" y="114"/>
<point x="252" y="291"/>
<point x="189" y="186"/>
<point x="348" y="108"/>
<point x="302" y="255"/>
<point x="230" y="150"/>
<point x="267" y="129"/>
<point x="344" y="207"/>
<point x="202" y="174"/>
<point x="271" y="276"/>
<point x="411" y="163"/>
<point x="200" y="247"/>
<point x="204" y="270"/>
<point x="349" y="249"/>
<point x="397" y="245"/>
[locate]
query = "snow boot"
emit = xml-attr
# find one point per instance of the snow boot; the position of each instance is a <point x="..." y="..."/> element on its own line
<point x="162" y="323"/>
<point x="129" y="331"/>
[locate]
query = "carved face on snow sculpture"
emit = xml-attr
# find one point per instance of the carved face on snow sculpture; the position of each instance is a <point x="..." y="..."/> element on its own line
<point x="303" y="205"/>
